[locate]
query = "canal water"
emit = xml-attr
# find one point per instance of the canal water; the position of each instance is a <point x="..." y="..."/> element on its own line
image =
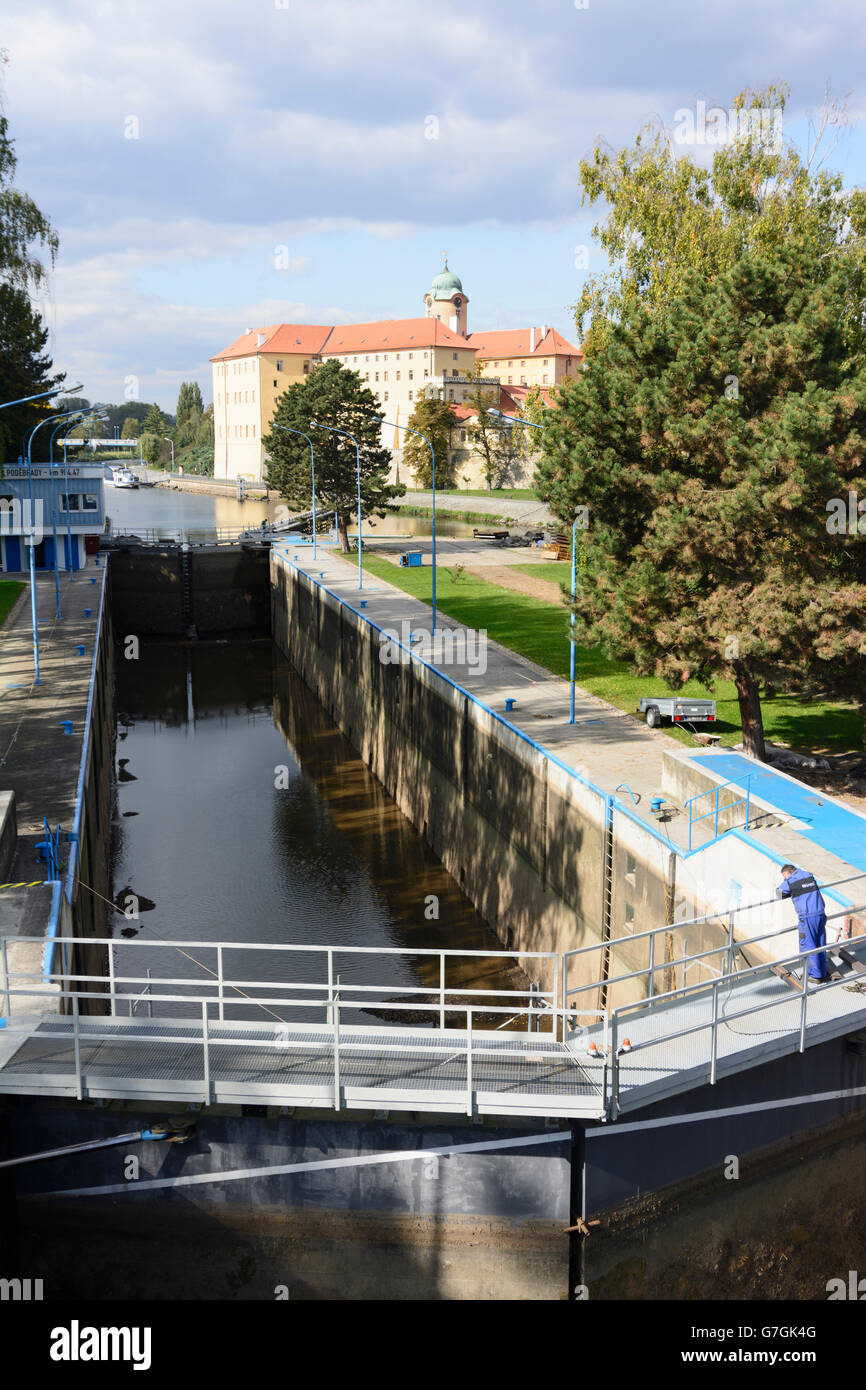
<point x="242" y="814"/>
<point x="167" y="511"/>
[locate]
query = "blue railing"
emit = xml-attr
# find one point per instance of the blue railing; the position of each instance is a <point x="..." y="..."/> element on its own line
<point x="49" y="850"/>
<point x="714" y="811"/>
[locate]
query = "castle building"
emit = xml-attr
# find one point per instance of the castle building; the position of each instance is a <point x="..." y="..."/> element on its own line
<point x="398" y="359"/>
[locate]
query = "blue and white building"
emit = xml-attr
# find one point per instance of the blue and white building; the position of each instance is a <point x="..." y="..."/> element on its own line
<point x="67" y="500"/>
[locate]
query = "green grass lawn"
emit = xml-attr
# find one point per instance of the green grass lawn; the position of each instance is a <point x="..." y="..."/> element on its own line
<point x="539" y="631"/>
<point x="9" y="591"/>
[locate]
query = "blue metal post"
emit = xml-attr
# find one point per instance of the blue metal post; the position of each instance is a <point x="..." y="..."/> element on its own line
<point x="289" y="430"/>
<point x="33" y="607"/>
<point x="409" y="430"/>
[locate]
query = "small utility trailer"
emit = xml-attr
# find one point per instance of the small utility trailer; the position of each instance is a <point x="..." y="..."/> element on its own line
<point x="677" y="708"/>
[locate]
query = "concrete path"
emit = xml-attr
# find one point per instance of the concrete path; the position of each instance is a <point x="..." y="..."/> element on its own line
<point x="526" y="511"/>
<point x="38" y="762"/>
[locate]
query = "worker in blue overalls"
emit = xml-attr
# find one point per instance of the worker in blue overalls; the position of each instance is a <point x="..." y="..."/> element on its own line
<point x="801" y="888"/>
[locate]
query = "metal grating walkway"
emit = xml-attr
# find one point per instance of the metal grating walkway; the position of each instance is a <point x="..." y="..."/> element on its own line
<point x="407" y="1068"/>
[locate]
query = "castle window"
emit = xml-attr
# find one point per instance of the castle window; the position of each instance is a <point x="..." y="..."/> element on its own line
<point x="411" y="374"/>
<point x="384" y="376"/>
<point x="410" y="395"/>
<point x="454" y="355"/>
<point x="385" y="397"/>
<point x="377" y="374"/>
<point x="279" y="366"/>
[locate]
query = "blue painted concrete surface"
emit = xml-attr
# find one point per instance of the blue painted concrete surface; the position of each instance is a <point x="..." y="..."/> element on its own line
<point x="827" y="824"/>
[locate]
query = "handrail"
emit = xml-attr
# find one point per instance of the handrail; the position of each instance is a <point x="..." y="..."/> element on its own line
<point x="714" y="791"/>
<point x="723" y="948"/>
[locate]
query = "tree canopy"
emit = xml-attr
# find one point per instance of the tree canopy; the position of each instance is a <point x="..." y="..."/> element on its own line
<point x="707" y="443"/>
<point x="334" y="396"/>
<point x="434" y="419"/>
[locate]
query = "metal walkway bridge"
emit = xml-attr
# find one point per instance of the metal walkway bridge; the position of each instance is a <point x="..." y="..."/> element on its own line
<point x="333" y="1027"/>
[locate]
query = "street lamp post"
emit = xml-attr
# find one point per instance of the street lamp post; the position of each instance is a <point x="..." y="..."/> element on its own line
<point x="314" y="424"/>
<point x="288" y="430"/>
<point x="509" y="423"/>
<point x="169" y="440"/>
<point x="409" y="430"/>
<point x="57" y="427"/>
<point x="22" y="400"/>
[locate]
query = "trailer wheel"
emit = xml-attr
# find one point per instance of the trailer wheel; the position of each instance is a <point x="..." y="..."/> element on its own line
<point x="653" y="718"/>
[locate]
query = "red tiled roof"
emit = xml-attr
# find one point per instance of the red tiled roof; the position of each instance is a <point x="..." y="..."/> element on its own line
<point x="514" y="342"/>
<point x="306" y="339"/>
<point x="389" y="334"/>
<point x="514" y="397"/>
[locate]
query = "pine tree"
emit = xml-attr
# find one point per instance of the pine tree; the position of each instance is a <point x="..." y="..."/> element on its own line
<point x="331" y="395"/>
<point x="709" y="443"/>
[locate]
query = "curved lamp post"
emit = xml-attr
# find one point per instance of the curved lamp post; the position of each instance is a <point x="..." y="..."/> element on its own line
<point x="508" y="422"/>
<point x="22" y="400"/>
<point x="314" y="424"/>
<point x="409" y="430"/>
<point x="289" y="430"/>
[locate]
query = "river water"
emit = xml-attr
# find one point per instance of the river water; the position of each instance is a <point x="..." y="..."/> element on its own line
<point x="166" y="511"/>
<point x="242" y="814"/>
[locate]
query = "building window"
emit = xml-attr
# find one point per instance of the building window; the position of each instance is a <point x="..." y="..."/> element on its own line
<point x="275" y="383"/>
<point x="454" y="355"/>
<point x="511" y="381"/>
<point x="426" y="373"/>
<point x="411" y="355"/>
<point x="279" y="366"/>
<point x="254" y="431"/>
<point x="384" y="376"/>
<point x="70" y="502"/>
<point x="398" y="376"/>
<point x="511" y="364"/>
<point x="450" y="395"/>
<point x="366" y="376"/>
<point x="377" y="376"/>
<point x="377" y="357"/>
<point x="90" y="502"/>
<point x="306" y="367"/>
<point x="254" y="398"/>
<point x="410" y="395"/>
<point x="523" y="381"/>
<point x="544" y="378"/>
<point x="246" y="397"/>
<point x="411" y="376"/>
<point x="354" y="359"/>
<point x="385" y="397"/>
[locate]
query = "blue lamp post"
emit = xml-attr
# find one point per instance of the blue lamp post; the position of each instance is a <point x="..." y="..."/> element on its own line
<point x="289" y="430"/>
<point x="76" y="416"/>
<point x="409" y="430"/>
<point x="22" y="400"/>
<point x="70" y="561"/>
<point x="509" y="423"/>
<point x="314" y="424"/>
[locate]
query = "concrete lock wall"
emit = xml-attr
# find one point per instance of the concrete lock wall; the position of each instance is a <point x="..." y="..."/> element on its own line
<point x="88" y="876"/>
<point x="418" y="1225"/>
<point x="534" y="848"/>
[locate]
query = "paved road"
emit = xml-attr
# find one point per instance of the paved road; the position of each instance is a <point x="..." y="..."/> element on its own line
<point x="525" y="510"/>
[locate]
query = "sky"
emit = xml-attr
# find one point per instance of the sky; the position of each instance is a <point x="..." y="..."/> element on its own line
<point x="215" y="165"/>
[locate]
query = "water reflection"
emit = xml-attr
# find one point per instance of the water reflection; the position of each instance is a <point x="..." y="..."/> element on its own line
<point x="243" y="814"/>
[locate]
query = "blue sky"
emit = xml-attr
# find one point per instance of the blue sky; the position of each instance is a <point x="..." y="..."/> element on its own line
<point x="274" y="130"/>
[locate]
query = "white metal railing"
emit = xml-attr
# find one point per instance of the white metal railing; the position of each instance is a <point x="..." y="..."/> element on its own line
<point x="623" y="1053"/>
<point x="460" y="1012"/>
<point x="726" y="952"/>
